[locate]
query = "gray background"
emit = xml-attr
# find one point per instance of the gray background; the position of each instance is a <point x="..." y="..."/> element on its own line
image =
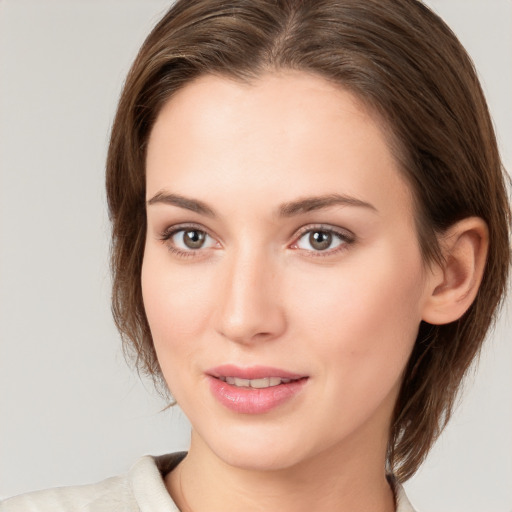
<point x="70" y="410"/>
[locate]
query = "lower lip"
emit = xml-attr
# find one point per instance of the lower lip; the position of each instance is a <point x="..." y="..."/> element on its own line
<point x="252" y="400"/>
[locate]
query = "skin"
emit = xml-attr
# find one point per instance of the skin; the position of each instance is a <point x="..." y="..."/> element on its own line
<point x="258" y="293"/>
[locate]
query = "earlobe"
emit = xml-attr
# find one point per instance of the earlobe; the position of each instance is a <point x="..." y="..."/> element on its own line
<point x="453" y="285"/>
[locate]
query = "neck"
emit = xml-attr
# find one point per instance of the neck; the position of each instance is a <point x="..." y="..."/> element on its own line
<point x="343" y="479"/>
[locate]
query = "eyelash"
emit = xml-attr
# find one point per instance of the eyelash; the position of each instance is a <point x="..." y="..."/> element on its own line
<point x="345" y="237"/>
<point x="167" y="235"/>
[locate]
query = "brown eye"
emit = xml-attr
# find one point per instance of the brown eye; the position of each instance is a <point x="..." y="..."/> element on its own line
<point x="188" y="240"/>
<point x="320" y="240"/>
<point x="323" y="240"/>
<point x="193" y="239"/>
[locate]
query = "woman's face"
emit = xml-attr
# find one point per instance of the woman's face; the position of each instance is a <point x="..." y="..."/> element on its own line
<point x="281" y="252"/>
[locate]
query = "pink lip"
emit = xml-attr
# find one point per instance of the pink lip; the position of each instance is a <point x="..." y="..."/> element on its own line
<point x="251" y="400"/>
<point x="252" y="372"/>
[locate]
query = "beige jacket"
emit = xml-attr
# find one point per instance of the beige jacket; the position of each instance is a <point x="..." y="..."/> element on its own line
<point x="142" y="489"/>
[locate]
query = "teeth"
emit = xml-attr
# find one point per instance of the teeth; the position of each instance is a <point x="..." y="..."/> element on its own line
<point x="265" y="382"/>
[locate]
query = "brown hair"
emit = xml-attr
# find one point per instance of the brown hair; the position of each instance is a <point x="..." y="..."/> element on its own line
<point x="406" y="64"/>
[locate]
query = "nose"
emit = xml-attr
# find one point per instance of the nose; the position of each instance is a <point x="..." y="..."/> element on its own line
<point x="249" y="308"/>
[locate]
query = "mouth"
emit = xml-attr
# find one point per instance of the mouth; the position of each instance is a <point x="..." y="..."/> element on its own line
<point x="263" y="383"/>
<point x="254" y="390"/>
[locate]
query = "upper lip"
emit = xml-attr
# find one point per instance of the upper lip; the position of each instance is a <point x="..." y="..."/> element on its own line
<point x="251" y="372"/>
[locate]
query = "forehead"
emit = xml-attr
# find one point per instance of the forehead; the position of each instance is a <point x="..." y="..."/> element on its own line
<point x="283" y="134"/>
<point x="290" y="101"/>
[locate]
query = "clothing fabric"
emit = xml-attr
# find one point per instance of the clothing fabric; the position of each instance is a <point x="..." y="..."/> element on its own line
<point x="142" y="489"/>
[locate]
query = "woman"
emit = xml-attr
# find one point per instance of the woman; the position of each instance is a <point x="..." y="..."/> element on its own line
<point x="304" y="249"/>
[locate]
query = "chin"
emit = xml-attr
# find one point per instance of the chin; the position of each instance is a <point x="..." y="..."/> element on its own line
<point x="271" y="456"/>
<point x="261" y="460"/>
<point x="257" y="451"/>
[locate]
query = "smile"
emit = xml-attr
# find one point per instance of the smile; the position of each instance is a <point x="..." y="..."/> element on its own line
<point x="254" y="390"/>
<point x="265" y="382"/>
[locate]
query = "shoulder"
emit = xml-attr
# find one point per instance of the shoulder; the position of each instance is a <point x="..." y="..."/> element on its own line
<point x="140" y="489"/>
<point x="402" y="502"/>
<point x="113" y="494"/>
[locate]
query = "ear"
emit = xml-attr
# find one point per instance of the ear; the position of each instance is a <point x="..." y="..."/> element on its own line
<point x="454" y="284"/>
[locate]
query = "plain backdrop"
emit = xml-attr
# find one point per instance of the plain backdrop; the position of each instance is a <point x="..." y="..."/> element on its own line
<point x="70" y="409"/>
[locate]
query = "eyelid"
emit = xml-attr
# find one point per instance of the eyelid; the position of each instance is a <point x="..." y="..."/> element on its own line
<point x="347" y="237"/>
<point x="343" y="232"/>
<point x="166" y="235"/>
<point x="175" y="228"/>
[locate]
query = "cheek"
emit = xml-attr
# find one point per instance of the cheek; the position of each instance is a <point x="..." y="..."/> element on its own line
<point x="364" y="314"/>
<point x="176" y="302"/>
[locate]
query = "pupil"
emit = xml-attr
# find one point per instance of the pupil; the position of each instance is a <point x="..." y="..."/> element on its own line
<point x="320" y="240"/>
<point x="194" y="239"/>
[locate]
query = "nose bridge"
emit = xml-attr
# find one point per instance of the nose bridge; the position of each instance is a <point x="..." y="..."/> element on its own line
<point x="248" y="306"/>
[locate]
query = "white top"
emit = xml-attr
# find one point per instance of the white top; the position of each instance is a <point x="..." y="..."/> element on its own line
<point x="142" y="489"/>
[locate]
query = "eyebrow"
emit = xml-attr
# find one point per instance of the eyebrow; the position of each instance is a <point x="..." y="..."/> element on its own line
<point x="289" y="209"/>
<point x="182" y="202"/>
<point x="309" y="204"/>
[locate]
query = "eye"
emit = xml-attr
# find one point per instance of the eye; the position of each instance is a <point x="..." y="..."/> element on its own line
<point x="322" y="240"/>
<point x="188" y="239"/>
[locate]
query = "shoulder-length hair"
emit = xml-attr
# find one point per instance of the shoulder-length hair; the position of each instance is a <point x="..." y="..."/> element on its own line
<point x="404" y="63"/>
